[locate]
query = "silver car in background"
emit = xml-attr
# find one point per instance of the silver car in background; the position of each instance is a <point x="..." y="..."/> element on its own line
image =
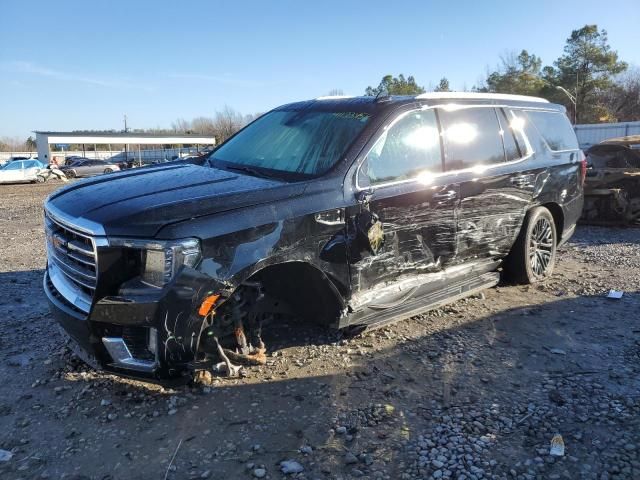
<point x="88" y="168"/>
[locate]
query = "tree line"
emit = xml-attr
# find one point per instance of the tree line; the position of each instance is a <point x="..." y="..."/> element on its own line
<point x="589" y="79"/>
<point x="17" y="144"/>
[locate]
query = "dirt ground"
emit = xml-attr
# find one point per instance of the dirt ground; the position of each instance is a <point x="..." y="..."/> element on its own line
<point x="473" y="390"/>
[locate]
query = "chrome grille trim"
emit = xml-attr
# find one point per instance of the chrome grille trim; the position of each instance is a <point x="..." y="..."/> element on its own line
<point x="79" y="225"/>
<point x="72" y="261"/>
<point x="73" y="295"/>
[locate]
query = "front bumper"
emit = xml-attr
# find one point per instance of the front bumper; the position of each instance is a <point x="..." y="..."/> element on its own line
<point x="150" y="337"/>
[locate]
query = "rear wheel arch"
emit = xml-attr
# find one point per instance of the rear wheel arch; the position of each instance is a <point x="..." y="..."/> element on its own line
<point x="517" y="266"/>
<point x="558" y="216"/>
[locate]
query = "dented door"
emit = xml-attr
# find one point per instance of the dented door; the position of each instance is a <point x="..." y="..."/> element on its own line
<point x="406" y="206"/>
<point x="495" y="190"/>
<point x="419" y="231"/>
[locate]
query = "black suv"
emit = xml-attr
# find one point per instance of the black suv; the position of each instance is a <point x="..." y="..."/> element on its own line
<point x="349" y="211"/>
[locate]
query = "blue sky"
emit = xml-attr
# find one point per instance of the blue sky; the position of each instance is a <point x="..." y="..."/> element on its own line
<point x="83" y="64"/>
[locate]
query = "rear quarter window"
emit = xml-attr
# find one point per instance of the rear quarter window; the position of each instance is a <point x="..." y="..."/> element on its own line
<point x="555" y="129"/>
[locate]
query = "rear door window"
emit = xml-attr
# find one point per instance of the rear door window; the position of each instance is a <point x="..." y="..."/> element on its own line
<point x="408" y="147"/>
<point x="472" y="137"/>
<point x="555" y="128"/>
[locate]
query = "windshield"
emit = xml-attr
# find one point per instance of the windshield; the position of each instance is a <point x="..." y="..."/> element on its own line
<point x="295" y="142"/>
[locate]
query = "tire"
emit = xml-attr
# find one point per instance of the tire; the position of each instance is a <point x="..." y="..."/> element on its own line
<point x="40" y="179"/>
<point x="533" y="255"/>
<point x="108" y="170"/>
<point x="70" y="174"/>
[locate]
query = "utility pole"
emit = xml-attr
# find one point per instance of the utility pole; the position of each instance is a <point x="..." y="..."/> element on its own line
<point x="573" y="97"/>
<point x="126" y="154"/>
<point x="575" y="106"/>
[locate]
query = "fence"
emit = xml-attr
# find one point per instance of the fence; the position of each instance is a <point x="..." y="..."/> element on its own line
<point x="143" y="156"/>
<point x="590" y="134"/>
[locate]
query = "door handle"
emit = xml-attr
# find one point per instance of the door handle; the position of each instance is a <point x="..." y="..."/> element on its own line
<point x="445" y="196"/>
<point x="520" y="180"/>
<point x="331" y="217"/>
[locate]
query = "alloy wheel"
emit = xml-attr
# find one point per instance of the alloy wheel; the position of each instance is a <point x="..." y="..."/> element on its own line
<point x="541" y="246"/>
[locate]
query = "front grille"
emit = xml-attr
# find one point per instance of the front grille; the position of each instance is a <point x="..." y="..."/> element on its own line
<point x="59" y="297"/>
<point x="72" y="262"/>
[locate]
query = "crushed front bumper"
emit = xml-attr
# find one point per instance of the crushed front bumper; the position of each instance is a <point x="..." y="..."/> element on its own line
<point x="151" y="337"/>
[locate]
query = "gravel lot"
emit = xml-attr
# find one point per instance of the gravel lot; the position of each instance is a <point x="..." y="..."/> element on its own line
<point x="471" y="391"/>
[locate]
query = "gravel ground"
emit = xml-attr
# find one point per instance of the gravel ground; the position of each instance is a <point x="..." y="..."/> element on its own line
<point x="474" y="390"/>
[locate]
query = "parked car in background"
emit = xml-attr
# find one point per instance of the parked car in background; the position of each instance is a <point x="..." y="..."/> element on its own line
<point x="73" y="158"/>
<point x="612" y="188"/>
<point x="19" y="171"/>
<point x="12" y="159"/>
<point x="88" y="168"/>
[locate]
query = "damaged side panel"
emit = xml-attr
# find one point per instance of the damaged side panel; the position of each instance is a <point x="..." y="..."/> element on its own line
<point x="418" y="236"/>
<point x="612" y="196"/>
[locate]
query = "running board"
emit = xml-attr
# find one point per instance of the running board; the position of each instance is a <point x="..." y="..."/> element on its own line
<point x="450" y="293"/>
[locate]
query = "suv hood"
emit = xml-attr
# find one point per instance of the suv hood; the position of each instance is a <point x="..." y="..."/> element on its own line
<point x="138" y="203"/>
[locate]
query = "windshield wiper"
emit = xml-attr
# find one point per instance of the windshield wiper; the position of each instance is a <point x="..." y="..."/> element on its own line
<point x="249" y="170"/>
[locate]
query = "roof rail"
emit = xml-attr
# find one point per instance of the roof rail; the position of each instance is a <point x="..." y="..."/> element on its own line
<point x="334" y="97"/>
<point x="479" y="96"/>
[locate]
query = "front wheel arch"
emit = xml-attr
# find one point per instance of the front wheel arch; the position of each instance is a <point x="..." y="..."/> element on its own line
<point x="310" y="292"/>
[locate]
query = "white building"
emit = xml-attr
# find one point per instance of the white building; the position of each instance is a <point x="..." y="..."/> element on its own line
<point x="44" y="140"/>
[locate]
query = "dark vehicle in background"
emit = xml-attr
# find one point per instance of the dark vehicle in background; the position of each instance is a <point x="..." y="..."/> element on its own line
<point x="612" y="187"/>
<point x="85" y="167"/>
<point x="350" y="212"/>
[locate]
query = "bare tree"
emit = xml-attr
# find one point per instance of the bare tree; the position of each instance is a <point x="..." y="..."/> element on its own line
<point x="221" y="126"/>
<point x="203" y="126"/>
<point x="13" y="144"/>
<point x="335" y="92"/>
<point x="226" y="123"/>
<point x="181" y="125"/>
<point x="623" y="98"/>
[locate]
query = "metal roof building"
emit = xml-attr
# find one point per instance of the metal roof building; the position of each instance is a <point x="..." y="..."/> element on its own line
<point x="45" y="139"/>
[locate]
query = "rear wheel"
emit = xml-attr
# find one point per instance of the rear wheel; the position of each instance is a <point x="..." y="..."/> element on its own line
<point x="533" y="255"/>
<point x="108" y="170"/>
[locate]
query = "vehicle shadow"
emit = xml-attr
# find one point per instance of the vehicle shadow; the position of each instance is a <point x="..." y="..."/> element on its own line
<point x="427" y="376"/>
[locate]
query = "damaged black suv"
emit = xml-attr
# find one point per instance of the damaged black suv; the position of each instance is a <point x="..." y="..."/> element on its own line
<point x="347" y="211"/>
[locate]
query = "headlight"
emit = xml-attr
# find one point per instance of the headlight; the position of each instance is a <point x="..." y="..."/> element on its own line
<point x="161" y="264"/>
<point x="161" y="260"/>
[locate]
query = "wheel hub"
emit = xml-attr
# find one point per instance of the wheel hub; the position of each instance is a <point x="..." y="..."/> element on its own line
<point x="541" y="247"/>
